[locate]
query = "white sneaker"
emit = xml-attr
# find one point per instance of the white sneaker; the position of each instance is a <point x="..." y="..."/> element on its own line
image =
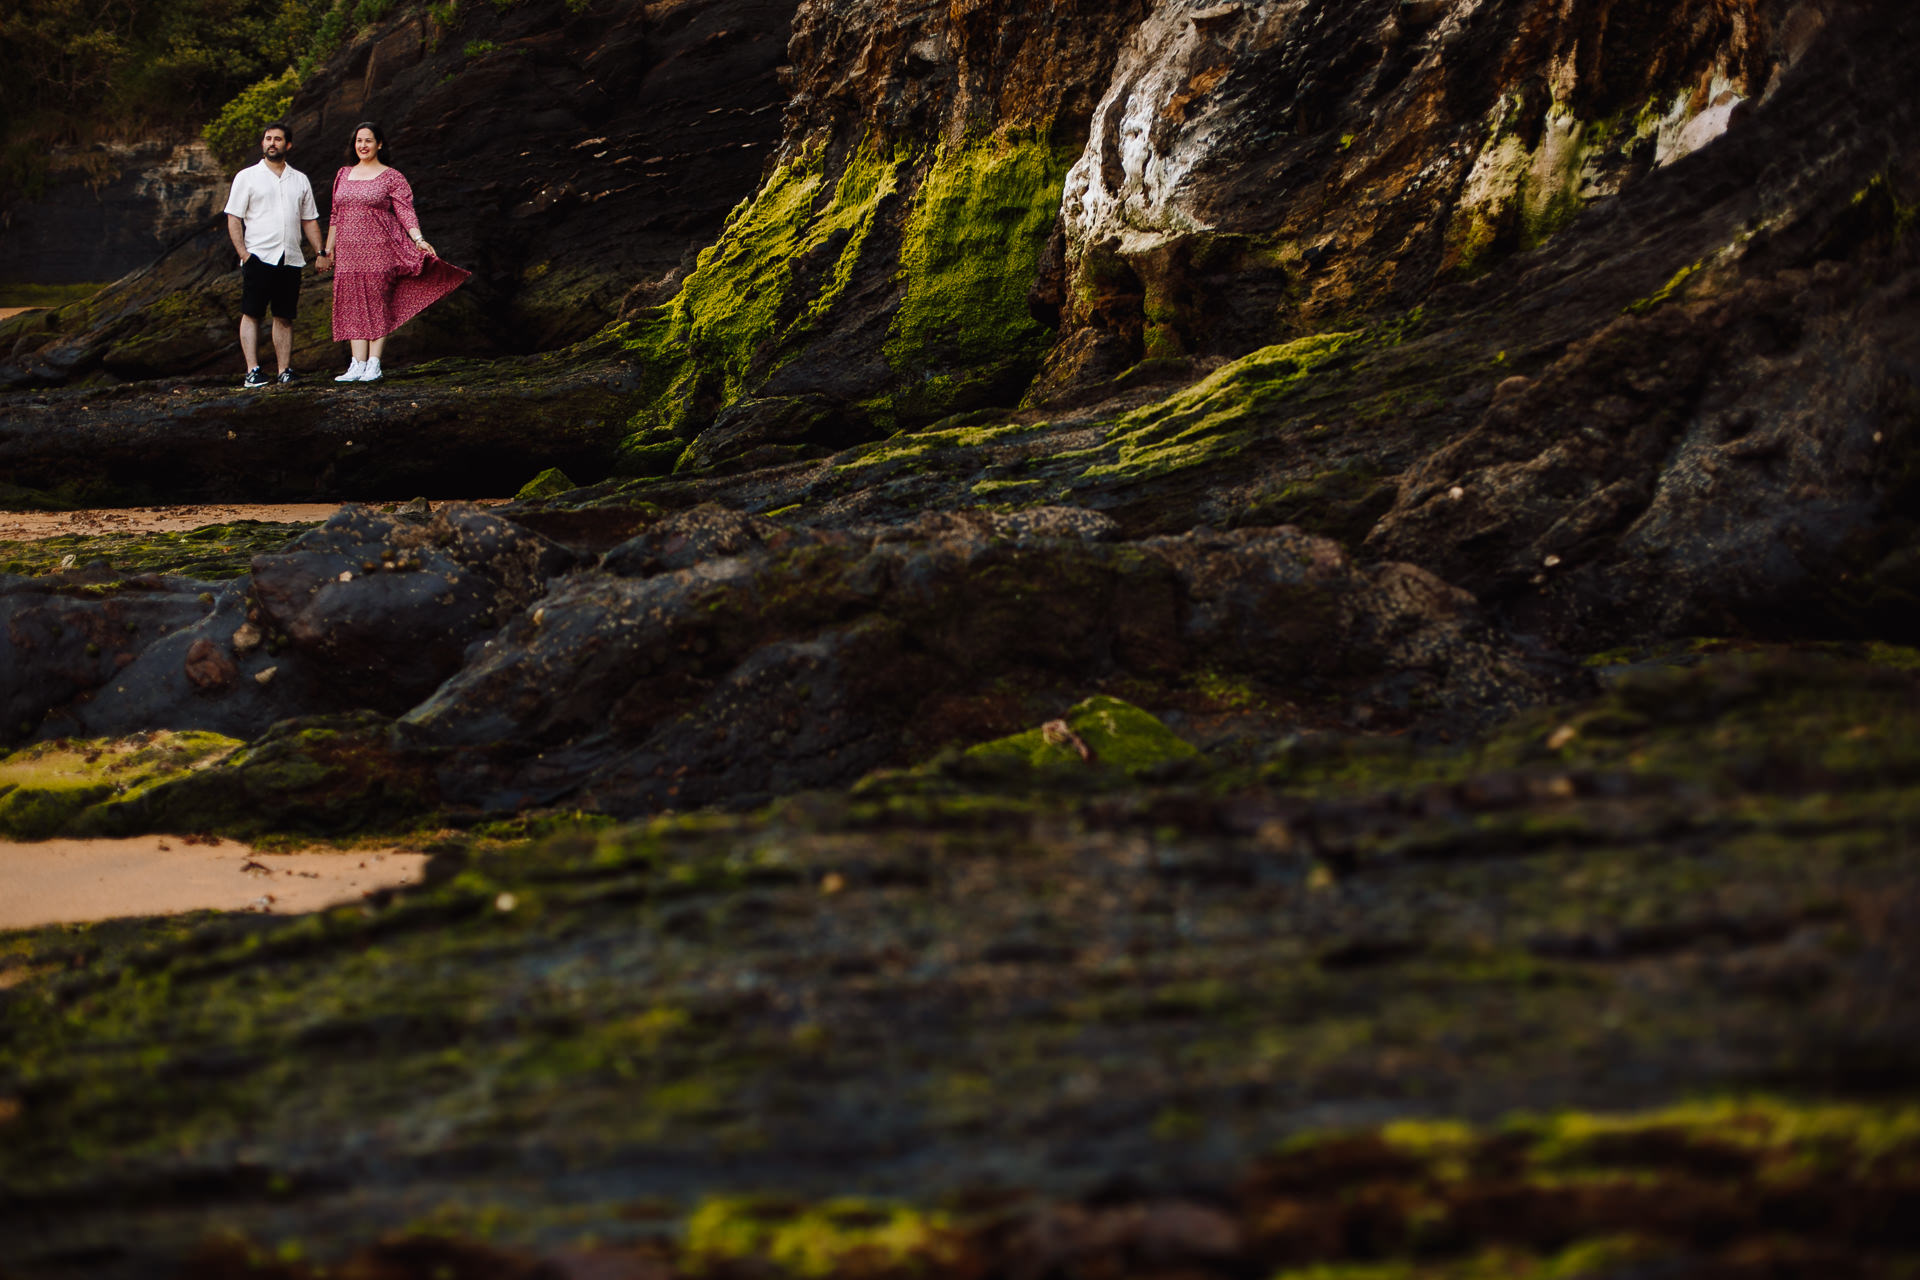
<point x="371" y="371"/>
<point x="353" y="372"/>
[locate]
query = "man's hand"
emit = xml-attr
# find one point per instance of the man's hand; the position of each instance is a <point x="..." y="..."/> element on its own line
<point x="244" y="255"/>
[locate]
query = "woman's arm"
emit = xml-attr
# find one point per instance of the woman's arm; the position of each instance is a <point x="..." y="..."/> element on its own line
<point x="403" y="209"/>
<point x="333" y="209"/>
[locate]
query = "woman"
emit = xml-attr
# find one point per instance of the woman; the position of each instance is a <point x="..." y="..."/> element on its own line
<point x="385" y="272"/>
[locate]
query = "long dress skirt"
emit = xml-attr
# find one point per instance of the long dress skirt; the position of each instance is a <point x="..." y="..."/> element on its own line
<point x="381" y="279"/>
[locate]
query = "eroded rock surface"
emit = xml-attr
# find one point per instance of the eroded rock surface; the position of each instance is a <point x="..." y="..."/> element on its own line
<point x="778" y="660"/>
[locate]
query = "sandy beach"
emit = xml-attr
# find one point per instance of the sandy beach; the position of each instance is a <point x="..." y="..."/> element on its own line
<point x="70" y="881"/>
<point x="20" y="526"/>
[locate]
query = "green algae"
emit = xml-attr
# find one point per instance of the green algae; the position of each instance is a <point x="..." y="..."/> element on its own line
<point x="1721" y="715"/>
<point x="780" y="267"/>
<point x="1120" y="735"/>
<point x="1788" y="1138"/>
<point x="837" y="1237"/>
<point x="705" y="983"/>
<point x="907" y="450"/>
<point x="51" y="788"/>
<point x="979" y="221"/>
<point x="211" y="552"/>
<point x="1520" y="194"/>
<point x="324" y="776"/>
<point x="1672" y="288"/>
<point x="780" y="276"/>
<point x="1218" y="416"/>
<point x="550" y="483"/>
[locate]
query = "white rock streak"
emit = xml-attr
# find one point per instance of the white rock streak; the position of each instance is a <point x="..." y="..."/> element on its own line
<point x="1138" y="120"/>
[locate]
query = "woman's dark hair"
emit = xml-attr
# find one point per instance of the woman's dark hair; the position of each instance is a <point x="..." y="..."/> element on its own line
<point x="380" y="141"/>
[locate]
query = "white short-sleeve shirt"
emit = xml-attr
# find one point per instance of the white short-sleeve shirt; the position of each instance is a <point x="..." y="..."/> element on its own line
<point x="273" y="205"/>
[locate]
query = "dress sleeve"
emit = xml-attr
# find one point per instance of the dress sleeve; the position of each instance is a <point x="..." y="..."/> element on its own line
<point x="402" y="196"/>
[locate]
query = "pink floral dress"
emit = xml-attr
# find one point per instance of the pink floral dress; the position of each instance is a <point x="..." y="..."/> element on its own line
<point x="380" y="279"/>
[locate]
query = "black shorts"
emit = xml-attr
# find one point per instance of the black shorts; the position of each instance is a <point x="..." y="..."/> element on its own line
<point x="262" y="284"/>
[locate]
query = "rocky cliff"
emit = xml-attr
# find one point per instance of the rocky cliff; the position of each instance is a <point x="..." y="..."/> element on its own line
<point x="570" y="159"/>
<point x="1132" y="583"/>
<point x="110" y="210"/>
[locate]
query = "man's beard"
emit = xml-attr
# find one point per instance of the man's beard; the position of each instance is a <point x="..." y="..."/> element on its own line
<point x="274" y="153"/>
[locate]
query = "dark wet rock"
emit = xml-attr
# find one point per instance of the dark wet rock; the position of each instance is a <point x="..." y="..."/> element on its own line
<point x="1236" y="1023"/>
<point x="1470" y="363"/>
<point x="684" y="539"/>
<point x="753" y="660"/>
<point x="386" y="606"/>
<point x="70" y="634"/>
<point x="191" y="677"/>
<point x="367" y="611"/>
<point x="458" y="430"/>
<point x="1706" y="468"/>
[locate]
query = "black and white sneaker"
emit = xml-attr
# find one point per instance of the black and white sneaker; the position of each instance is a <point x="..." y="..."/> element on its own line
<point x="255" y="378"/>
<point x="286" y="377"/>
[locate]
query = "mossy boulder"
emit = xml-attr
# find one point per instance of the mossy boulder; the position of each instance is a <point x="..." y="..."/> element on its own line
<point x="1104" y="732"/>
<point x="550" y="483"/>
<point x="58" y="788"/>
<point x="324" y="776"/>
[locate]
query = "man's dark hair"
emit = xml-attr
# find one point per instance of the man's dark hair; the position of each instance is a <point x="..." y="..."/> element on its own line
<point x="281" y="125"/>
<point x="380" y="142"/>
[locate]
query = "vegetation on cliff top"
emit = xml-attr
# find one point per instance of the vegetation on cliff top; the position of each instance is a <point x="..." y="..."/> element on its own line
<point x="75" y="70"/>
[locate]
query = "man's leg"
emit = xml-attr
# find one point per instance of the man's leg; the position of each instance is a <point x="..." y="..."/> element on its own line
<point x="283" y="342"/>
<point x="250" y="340"/>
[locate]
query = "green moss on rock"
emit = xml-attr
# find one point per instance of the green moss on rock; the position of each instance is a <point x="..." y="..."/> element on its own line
<point x="550" y="483"/>
<point x="47" y="790"/>
<point x="322" y="776"/>
<point x="780" y="266"/>
<point x="1120" y="735"/>
<point x="980" y="219"/>
<point x="1214" y="418"/>
<point x="838" y="1237"/>
<point x="214" y="551"/>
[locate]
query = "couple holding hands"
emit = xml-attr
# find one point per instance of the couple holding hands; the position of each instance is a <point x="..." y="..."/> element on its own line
<point x="384" y="271"/>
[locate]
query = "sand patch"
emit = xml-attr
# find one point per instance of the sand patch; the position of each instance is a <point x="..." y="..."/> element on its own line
<point x="70" y="881"/>
<point x="8" y="313"/>
<point x="23" y="526"/>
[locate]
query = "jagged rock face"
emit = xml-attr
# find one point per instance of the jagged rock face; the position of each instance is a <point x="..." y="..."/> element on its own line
<point x="722" y="659"/>
<point x="1256" y="170"/>
<point x="367" y="612"/>
<point x="753" y="660"/>
<point x="879" y="278"/>
<point x="576" y="162"/>
<point x="933" y="72"/>
<point x="113" y="209"/>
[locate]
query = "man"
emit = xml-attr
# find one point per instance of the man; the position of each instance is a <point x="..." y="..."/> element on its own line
<point x="270" y="206"/>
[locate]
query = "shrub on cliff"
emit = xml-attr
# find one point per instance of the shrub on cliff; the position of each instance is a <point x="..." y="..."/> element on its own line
<point x="71" y="70"/>
<point x="234" y="133"/>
